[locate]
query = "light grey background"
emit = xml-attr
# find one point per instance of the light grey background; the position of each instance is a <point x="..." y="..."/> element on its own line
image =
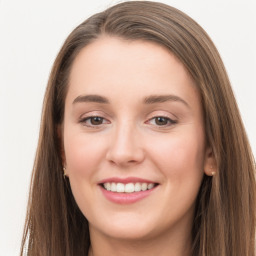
<point x="32" y="32"/>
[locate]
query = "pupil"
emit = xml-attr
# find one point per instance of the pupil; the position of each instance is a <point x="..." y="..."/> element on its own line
<point x="161" y="120"/>
<point x="96" y="120"/>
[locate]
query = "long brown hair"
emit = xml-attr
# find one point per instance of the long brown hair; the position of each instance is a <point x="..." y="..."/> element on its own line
<point x="224" y="222"/>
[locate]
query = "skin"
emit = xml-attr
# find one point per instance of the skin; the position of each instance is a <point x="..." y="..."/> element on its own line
<point x="127" y="141"/>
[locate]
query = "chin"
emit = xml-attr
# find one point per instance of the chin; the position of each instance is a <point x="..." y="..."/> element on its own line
<point x="129" y="233"/>
<point x="125" y="228"/>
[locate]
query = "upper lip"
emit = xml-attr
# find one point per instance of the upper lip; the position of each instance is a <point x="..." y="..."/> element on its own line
<point x="126" y="180"/>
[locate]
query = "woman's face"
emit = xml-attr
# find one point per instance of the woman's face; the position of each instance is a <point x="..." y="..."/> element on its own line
<point x="134" y="140"/>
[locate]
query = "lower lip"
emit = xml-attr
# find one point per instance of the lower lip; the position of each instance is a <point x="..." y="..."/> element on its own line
<point x="126" y="198"/>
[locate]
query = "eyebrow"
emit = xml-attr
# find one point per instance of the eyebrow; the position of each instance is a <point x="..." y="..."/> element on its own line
<point x="164" y="98"/>
<point x="152" y="99"/>
<point x="91" y="98"/>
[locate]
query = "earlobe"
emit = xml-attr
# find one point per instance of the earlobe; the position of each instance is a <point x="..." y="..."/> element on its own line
<point x="65" y="174"/>
<point x="210" y="167"/>
<point x="210" y="172"/>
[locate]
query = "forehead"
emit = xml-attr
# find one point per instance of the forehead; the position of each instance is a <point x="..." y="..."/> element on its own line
<point x="125" y="56"/>
<point x="113" y="66"/>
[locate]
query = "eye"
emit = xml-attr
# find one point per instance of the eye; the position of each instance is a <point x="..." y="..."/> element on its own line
<point x="161" y="121"/>
<point x="93" y="121"/>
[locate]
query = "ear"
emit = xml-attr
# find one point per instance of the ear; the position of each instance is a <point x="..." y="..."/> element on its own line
<point x="210" y="166"/>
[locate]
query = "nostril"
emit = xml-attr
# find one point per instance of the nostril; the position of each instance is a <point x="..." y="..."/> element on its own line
<point x="123" y="158"/>
<point x="132" y="161"/>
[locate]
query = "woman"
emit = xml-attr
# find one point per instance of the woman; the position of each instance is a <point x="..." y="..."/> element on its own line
<point x="140" y="116"/>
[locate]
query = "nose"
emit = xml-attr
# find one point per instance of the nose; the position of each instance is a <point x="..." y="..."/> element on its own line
<point x="125" y="147"/>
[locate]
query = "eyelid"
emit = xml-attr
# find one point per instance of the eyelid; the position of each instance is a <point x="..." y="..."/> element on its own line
<point x="87" y="116"/>
<point x="93" y="113"/>
<point x="83" y="118"/>
<point x="162" y="113"/>
<point x="93" y="126"/>
<point x="171" y="121"/>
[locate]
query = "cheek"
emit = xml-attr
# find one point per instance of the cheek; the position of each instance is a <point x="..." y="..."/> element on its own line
<point x="83" y="159"/>
<point x="180" y="154"/>
<point x="82" y="153"/>
<point x="180" y="159"/>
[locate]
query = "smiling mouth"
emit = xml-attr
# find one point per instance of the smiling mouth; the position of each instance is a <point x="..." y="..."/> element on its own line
<point x="119" y="187"/>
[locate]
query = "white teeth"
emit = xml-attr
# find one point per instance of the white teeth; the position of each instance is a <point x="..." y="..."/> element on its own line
<point x="119" y="187"/>
<point x="113" y="187"/>
<point x="128" y="188"/>
<point x="137" y="187"/>
<point x="144" y="186"/>
<point x="107" y="186"/>
<point x="150" y="185"/>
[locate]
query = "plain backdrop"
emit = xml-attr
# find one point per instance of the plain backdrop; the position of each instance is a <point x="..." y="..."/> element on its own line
<point x="32" y="32"/>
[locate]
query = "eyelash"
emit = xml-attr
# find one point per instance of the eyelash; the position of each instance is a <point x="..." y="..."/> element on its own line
<point x="169" y="121"/>
<point x="90" y="118"/>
